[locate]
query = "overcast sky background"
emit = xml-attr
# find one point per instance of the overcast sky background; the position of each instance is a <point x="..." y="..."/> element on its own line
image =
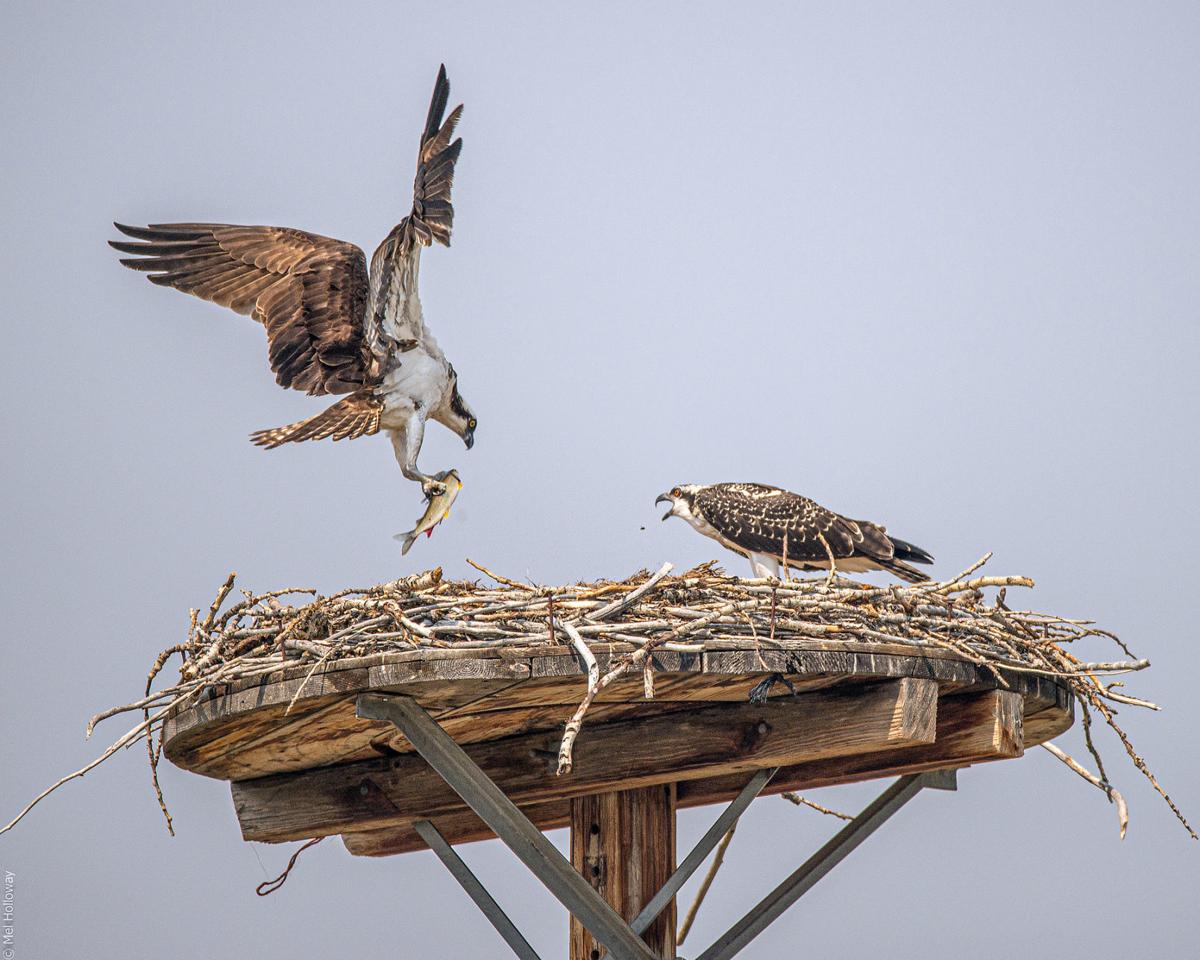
<point x="933" y="265"/>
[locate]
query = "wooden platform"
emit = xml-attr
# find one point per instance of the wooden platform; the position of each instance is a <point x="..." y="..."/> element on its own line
<point x="859" y="711"/>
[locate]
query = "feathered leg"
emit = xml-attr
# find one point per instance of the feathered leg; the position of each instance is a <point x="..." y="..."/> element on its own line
<point x="407" y="444"/>
<point x="764" y="566"/>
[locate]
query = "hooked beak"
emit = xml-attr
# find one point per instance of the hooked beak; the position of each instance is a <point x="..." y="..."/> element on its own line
<point x="663" y="498"/>
<point x="469" y="439"/>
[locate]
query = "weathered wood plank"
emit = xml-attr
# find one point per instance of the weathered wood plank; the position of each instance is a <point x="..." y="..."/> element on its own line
<point x="715" y="740"/>
<point x="314" y="732"/>
<point x="1049" y="711"/>
<point x="973" y="728"/>
<point x="334" y="735"/>
<point x="460" y="827"/>
<point x="624" y="845"/>
<point x="291" y="721"/>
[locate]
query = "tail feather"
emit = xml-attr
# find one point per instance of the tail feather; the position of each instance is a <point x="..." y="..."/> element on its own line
<point x="356" y="415"/>
<point x="903" y="550"/>
<point x="903" y="571"/>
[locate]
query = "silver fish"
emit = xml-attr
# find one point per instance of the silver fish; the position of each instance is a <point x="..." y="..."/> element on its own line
<point x="437" y="511"/>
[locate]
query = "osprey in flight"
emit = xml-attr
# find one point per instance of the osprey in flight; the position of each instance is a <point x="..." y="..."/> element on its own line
<point x="332" y="328"/>
<point x="767" y="525"/>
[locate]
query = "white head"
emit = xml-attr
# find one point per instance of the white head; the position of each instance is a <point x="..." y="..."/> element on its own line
<point x="455" y="414"/>
<point x="681" y="498"/>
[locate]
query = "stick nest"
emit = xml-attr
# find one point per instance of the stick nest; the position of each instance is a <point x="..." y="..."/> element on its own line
<point x="968" y="615"/>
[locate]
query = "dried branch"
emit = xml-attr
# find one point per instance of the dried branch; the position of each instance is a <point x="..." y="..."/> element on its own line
<point x="718" y="859"/>
<point x="1114" y="795"/>
<point x="805" y="802"/>
<point x="625" y="664"/>
<point x="632" y="597"/>
<point x="424" y="616"/>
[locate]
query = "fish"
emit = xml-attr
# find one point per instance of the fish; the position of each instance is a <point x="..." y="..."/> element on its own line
<point x="437" y="511"/>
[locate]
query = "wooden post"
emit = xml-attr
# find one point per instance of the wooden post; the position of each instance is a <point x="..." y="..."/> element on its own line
<point x="624" y="844"/>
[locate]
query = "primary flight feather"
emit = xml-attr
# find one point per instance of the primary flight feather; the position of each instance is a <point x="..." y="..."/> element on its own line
<point x="333" y="328"/>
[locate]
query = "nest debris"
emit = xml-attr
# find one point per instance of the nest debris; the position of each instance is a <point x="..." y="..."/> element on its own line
<point x="260" y="633"/>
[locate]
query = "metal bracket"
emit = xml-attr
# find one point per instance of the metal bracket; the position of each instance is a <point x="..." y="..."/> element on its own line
<point x="507" y="822"/>
<point x="772" y="906"/>
<point x="691" y="863"/>
<point x="475" y="890"/>
<point x="562" y="880"/>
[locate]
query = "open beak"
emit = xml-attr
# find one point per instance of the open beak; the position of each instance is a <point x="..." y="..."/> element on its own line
<point x="663" y="498"/>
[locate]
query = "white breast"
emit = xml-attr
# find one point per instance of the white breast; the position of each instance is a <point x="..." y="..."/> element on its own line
<point x="706" y="528"/>
<point x="416" y="381"/>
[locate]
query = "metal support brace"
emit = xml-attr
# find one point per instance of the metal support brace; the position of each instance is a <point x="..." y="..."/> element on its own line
<point x="771" y="907"/>
<point x="692" y="861"/>
<point x="508" y="823"/>
<point x="475" y="890"/>
<point x="545" y="862"/>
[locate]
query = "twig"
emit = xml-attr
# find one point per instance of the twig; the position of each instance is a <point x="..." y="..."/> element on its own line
<point x="718" y="859"/>
<point x="222" y="593"/>
<point x="805" y="802"/>
<point x="129" y="737"/>
<point x="340" y="637"/>
<point x="423" y="617"/>
<point x="585" y="653"/>
<point x="1114" y="795"/>
<point x="633" y="596"/>
<point x="571" y="731"/>
<point x="499" y="579"/>
<point x="576" y="721"/>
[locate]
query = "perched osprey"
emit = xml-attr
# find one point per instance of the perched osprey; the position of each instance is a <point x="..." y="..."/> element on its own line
<point x="767" y="524"/>
<point x="331" y="328"/>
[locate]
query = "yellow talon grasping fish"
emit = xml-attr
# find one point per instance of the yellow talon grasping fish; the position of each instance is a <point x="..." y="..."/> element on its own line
<point x="438" y="509"/>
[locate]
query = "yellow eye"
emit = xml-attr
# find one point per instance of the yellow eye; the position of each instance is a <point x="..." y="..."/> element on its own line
<point x="677" y="492"/>
<point x="471" y="423"/>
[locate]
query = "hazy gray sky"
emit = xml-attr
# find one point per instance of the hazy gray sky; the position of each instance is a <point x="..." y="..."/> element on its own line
<point x="934" y="265"/>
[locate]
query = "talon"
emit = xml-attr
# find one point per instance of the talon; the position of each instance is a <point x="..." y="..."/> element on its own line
<point x="433" y="488"/>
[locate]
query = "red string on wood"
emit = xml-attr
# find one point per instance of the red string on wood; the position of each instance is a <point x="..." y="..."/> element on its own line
<point x="270" y="886"/>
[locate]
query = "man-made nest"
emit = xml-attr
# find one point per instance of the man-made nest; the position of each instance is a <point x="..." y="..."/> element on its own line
<point x="259" y="633"/>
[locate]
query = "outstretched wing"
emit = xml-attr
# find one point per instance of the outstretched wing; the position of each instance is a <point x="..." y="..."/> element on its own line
<point x="309" y="292"/>
<point x="394" y="312"/>
<point x="757" y="518"/>
<point x="351" y="417"/>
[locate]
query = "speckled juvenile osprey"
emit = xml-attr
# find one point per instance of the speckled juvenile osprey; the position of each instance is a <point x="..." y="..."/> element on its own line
<point x="331" y="328"/>
<point x="766" y="524"/>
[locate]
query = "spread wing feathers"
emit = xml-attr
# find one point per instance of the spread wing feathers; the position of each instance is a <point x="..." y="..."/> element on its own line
<point x="394" y="311"/>
<point x="351" y="417"/>
<point x="756" y="518"/>
<point x="309" y="292"/>
<point x="432" y="214"/>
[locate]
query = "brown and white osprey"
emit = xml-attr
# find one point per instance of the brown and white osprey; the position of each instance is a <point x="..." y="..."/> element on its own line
<point x="766" y="524"/>
<point x="331" y="327"/>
